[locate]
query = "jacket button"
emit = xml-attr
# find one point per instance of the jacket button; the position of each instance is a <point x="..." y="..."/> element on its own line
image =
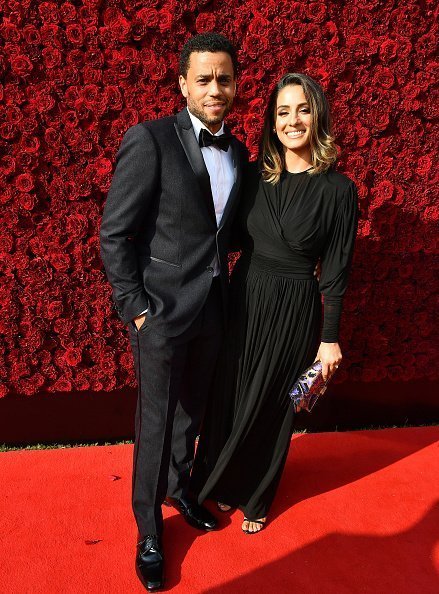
<point x="209" y="269"/>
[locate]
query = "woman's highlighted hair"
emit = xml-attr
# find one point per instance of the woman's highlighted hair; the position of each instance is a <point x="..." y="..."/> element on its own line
<point x="322" y="143"/>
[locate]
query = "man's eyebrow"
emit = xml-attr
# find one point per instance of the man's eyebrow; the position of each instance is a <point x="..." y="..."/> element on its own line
<point x="211" y="76"/>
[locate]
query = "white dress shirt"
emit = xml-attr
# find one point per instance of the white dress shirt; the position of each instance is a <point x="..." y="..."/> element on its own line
<point x="219" y="164"/>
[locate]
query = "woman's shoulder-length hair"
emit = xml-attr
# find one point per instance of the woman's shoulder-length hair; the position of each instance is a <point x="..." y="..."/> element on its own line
<point x="322" y="142"/>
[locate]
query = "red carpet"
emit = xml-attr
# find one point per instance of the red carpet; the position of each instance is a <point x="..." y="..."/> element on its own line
<point x="356" y="512"/>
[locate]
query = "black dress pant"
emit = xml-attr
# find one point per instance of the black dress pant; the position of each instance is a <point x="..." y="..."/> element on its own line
<point x="174" y="376"/>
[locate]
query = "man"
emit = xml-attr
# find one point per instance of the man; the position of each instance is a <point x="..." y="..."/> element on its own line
<point x="164" y="237"/>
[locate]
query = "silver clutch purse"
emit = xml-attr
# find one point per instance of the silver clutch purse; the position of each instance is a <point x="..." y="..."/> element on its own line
<point x="307" y="389"/>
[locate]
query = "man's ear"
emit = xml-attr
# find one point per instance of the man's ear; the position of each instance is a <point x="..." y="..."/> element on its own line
<point x="183" y="85"/>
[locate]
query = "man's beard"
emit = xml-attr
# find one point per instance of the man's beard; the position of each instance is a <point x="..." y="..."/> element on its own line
<point x="198" y="113"/>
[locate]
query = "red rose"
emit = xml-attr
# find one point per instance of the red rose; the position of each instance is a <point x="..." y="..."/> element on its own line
<point x="70" y="119"/>
<point x="30" y="144"/>
<point x="361" y="47"/>
<point x="52" y="137"/>
<point x="206" y="21"/>
<point x="59" y="260"/>
<point x="54" y="310"/>
<point x="113" y="97"/>
<point x="14" y="115"/>
<point x="121" y="68"/>
<point x="76" y="226"/>
<point x="431" y="214"/>
<point x="259" y="25"/>
<point x="165" y="20"/>
<point x="75" y="58"/>
<point x="75" y="34"/>
<point x="7" y="165"/>
<point x="126" y="361"/>
<point x="316" y="12"/>
<point x="61" y="385"/>
<point x="94" y="58"/>
<point x="138" y="30"/>
<point x="5" y="194"/>
<point x="159" y="69"/>
<point x="147" y="17"/>
<point x="331" y="33"/>
<point x="424" y="165"/>
<point x="42" y="101"/>
<point x="430" y="107"/>
<point x="48" y="12"/>
<point x="52" y="35"/>
<point x="248" y="87"/>
<point x="67" y="12"/>
<point x="80" y="380"/>
<point x="383" y="77"/>
<point x="90" y="95"/>
<point x="10" y="31"/>
<point x="26" y="201"/>
<point x="30" y="386"/>
<point x="52" y="57"/>
<point x="24" y="182"/>
<point x="21" y="65"/>
<point x="388" y="50"/>
<point x="6" y="242"/>
<point x="72" y="356"/>
<point x="118" y="25"/>
<point x="31" y="35"/>
<point x="88" y="15"/>
<point x="254" y="45"/>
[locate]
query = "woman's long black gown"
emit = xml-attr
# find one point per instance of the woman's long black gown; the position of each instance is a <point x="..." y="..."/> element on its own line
<point x="274" y="329"/>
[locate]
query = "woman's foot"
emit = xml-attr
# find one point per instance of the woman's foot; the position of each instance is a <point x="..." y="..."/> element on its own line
<point x="253" y="526"/>
<point x="223" y="506"/>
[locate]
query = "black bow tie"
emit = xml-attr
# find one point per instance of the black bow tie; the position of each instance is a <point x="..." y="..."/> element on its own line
<point x="207" y="139"/>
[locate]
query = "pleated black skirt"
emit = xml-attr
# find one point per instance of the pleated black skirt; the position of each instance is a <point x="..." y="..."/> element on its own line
<point x="273" y="335"/>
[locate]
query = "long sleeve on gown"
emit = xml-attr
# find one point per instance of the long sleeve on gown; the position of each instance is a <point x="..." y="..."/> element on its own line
<point x="336" y="261"/>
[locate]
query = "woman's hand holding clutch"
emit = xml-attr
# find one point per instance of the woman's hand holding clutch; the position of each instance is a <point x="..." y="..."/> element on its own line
<point x="329" y="354"/>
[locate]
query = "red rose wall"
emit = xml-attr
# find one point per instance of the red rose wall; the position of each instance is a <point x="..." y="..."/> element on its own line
<point x="75" y="75"/>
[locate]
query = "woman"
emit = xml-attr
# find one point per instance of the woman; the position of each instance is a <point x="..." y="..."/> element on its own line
<point x="297" y="210"/>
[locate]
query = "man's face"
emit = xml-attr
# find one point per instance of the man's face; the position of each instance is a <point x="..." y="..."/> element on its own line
<point x="209" y="87"/>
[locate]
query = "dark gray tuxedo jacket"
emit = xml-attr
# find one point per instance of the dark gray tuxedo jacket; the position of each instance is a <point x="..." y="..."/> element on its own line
<point x="159" y="234"/>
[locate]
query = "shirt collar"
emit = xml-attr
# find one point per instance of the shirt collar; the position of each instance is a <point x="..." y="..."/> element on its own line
<point x="197" y="125"/>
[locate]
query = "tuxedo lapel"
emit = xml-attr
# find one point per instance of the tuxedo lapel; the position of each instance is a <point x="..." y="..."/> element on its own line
<point x="185" y="133"/>
<point x="237" y="168"/>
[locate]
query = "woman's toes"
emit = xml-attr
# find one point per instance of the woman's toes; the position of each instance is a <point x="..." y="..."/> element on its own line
<point x="251" y="527"/>
<point x="257" y="526"/>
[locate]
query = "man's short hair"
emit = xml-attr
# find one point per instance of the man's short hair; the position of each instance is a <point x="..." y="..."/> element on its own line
<point x="206" y="42"/>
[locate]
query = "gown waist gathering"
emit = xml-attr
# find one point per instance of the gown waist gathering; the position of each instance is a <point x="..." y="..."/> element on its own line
<point x="294" y="267"/>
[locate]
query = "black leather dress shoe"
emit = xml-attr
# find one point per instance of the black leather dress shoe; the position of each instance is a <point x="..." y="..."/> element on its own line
<point x="195" y="515"/>
<point x="149" y="563"/>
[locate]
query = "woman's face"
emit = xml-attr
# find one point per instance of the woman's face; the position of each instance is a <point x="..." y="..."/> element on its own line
<point x="293" y="118"/>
